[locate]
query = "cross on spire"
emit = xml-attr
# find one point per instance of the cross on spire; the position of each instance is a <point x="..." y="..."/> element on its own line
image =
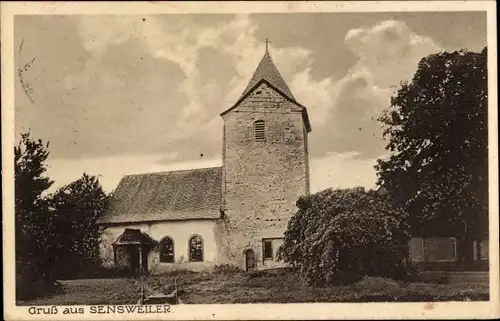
<point x="267" y="45"/>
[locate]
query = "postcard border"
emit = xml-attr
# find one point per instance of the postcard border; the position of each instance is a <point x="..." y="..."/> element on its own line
<point x="438" y="310"/>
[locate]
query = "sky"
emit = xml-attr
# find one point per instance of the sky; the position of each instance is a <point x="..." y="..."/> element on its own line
<point x="118" y="95"/>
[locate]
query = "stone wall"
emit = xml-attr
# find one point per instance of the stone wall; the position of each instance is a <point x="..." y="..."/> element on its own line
<point x="262" y="180"/>
<point x="179" y="231"/>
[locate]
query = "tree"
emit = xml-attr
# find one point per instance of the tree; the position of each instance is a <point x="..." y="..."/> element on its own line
<point x="31" y="211"/>
<point x="341" y="235"/>
<point x="438" y="143"/>
<point x="75" y="208"/>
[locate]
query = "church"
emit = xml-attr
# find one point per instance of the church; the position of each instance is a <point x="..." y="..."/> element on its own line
<point x="234" y="214"/>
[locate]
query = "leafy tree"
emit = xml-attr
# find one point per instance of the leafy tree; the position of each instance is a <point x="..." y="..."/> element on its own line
<point x="341" y="235"/>
<point x="438" y="143"/>
<point x="76" y="207"/>
<point x="56" y="235"/>
<point x="31" y="212"/>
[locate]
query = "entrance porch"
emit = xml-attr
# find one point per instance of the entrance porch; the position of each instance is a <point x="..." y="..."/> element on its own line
<point x="131" y="249"/>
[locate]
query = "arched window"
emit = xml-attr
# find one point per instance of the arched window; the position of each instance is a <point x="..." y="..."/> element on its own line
<point x="195" y="249"/>
<point x="259" y="130"/>
<point x="167" y="250"/>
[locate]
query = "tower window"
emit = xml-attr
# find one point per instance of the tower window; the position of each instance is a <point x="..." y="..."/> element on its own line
<point x="259" y="130"/>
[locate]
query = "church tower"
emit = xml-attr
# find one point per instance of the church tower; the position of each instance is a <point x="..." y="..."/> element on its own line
<point x="265" y="168"/>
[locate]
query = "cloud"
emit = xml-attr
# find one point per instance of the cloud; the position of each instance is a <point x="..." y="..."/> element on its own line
<point x="388" y="44"/>
<point x="97" y="32"/>
<point x="127" y="85"/>
<point x="333" y="170"/>
<point x="150" y="89"/>
<point x="136" y="89"/>
<point x="318" y="96"/>
<point x="388" y="53"/>
<point x="111" y="169"/>
<point x="341" y="170"/>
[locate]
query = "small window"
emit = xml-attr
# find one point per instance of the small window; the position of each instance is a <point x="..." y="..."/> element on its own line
<point x="268" y="250"/>
<point x="195" y="249"/>
<point x="259" y="129"/>
<point x="167" y="250"/>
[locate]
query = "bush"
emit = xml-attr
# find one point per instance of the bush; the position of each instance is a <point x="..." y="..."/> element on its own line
<point x="339" y="236"/>
<point x="270" y="272"/>
<point x="31" y="284"/>
<point x="226" y="269"/>
<point x="178" y="272"/>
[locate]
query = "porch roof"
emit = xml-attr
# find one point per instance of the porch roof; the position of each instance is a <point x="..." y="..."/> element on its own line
<point x="134" y="236"/>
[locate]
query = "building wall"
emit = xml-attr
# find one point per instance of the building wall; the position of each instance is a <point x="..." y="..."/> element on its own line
<point x="262" y="180"/>
<point x="440" y="253"/>
<point x="433" y="253"/>
<point x="179" y="231"/>
<point x="433" y="249"/>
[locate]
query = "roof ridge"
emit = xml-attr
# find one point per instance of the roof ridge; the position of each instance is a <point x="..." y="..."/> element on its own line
<point x="174" y="171"/>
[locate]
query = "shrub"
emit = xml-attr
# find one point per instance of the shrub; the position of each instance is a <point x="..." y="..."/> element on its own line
<point x="179" y="272"/>
<point x="226" y="269"/>
<point x="339" y="236"/>
<point x="31" y="284"/>
<point x="270" y="272"/>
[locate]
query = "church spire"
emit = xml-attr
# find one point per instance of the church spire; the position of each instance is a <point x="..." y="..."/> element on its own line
<point x="267" y="70"/>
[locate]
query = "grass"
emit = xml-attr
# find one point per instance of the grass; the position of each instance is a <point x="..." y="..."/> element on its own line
<point x="90" y="292"/>
<point x="282" y="287"/>
<point x="276" y="286"/>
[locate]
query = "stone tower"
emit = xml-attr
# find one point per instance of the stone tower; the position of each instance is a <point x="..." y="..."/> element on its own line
<point x="265" y="168"/>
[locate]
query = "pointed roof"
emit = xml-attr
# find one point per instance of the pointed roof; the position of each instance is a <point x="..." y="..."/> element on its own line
<point x="267" y="70"/>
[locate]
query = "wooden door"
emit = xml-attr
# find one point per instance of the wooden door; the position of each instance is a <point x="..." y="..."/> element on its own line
<point x="249" y="260"/>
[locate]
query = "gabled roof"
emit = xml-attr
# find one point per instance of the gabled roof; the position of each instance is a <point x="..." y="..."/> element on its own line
<point x="177" y="195"/>
<point x="267" y="70"/>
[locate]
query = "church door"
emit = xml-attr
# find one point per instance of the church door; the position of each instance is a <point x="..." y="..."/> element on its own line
<point x="249" y="260"/>
<point x="134" y="260"/>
